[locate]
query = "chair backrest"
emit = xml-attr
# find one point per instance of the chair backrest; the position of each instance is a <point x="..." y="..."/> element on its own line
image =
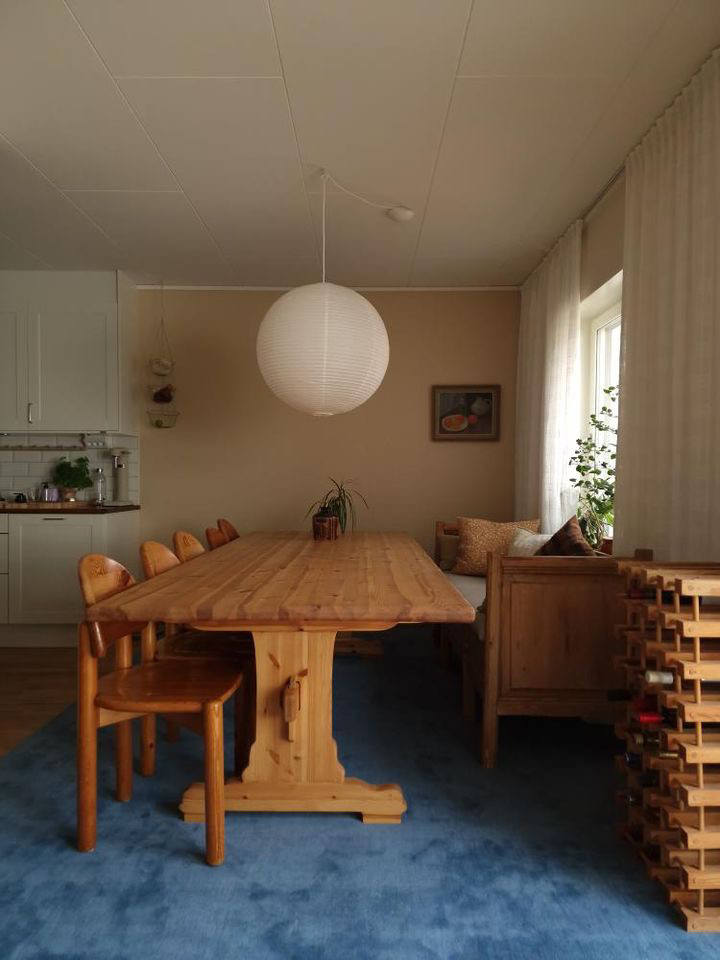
<point x="228" y="529"/>
<point x="101" y="577"/>
<point x="446" y="543"/>
<point x="215" y="538"/>
<point x="156" y="558"/>
<point x="186" y="546"/>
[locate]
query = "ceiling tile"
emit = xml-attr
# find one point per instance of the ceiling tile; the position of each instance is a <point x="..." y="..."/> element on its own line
<point x="369" y="86"/>
<point x="14" y="257"/>
<point x="465" y="272"/>
<point x="677" y="51"/>
<point x="559" y="37"/>
<point x="505" y="139"/>
<point x="61" y="109"/>
<point x="42" y="221"/>
<point x="148" y="225"/>
<point x="231" y="145"/>
<point x="362" y="239"/>
<point x="183" y="38"/>
<point x="277" y="272"/>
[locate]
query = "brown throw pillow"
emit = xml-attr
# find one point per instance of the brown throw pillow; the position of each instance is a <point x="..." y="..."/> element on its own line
<point x="567" y="542"/>
<point x="480" y="537"/>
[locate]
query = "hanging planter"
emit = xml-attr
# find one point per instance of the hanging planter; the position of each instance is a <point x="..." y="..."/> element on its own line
<point x="162" y="364"/>
<point x="163" y="419"/>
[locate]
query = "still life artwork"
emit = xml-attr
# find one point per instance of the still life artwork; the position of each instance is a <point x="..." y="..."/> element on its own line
<point x="466" y="413"/>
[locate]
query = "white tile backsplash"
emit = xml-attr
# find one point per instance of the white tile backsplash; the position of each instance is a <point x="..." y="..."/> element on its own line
<point x="24" y="471"/>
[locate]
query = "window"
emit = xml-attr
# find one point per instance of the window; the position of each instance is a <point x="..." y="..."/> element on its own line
<point x="606" y="347"/>
<point x="601" y="315"/>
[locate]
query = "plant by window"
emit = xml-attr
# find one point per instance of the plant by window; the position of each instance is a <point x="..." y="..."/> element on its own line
<point x="338" y="502"/>
<point x="594" y="462"/>
<point x="72" y="474"/>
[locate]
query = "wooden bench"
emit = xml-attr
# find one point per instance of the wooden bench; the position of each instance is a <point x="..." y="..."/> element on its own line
<point x="548" y="642"/>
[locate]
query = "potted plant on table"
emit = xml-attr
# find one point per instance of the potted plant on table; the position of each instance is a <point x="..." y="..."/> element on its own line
<point x="334" y="509"/>
<point x="594" y="462"/>
<point x="71" y="475"/>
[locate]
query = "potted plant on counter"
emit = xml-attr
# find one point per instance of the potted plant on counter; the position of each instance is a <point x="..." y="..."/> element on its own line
<point x="334" y="509"/>
<point x="71" y="475"/>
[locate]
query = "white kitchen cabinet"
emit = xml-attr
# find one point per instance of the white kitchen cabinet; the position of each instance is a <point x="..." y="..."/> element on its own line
<point x="59" y="366"/>
<point x="13" y="368"/>
<point x="44" y="550"/>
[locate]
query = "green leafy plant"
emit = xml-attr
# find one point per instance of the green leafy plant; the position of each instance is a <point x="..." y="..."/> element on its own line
<point x="594" y="462"/>
<point x="339" y="502"/>
<point x="72" y="474"/>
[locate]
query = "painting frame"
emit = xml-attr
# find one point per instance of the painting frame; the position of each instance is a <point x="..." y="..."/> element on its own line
<point x="455" y="400"/>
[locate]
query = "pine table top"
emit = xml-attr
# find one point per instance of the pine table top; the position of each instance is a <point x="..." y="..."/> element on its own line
<point x="287" y="578"/>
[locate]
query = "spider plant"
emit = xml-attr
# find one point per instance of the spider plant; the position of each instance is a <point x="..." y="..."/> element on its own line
<point x="339" y="502"/>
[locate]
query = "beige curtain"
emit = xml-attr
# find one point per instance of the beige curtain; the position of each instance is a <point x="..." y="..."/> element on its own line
<point x="668" y="482"/>
<point x="548" y="390"/>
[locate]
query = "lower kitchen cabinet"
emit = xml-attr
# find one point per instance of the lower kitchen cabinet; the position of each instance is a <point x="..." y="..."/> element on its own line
<point x="43" y="552"/>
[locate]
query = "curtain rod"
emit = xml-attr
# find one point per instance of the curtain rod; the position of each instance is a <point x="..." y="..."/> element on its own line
<point x="603" y="193"/>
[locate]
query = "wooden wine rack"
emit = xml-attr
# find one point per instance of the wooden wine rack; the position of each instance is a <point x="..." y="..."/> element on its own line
<point x="672" y="732"/>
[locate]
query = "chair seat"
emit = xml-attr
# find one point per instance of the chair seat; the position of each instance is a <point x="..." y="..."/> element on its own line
<point x="168" y="686"/>
<point x="232" y="647"/>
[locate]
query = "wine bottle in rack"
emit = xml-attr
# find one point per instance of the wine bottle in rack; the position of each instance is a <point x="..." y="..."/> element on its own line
<point x="659" y="677"/>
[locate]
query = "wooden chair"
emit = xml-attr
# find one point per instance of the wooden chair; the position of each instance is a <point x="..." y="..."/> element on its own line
<point x="215" y="538"/>
<point x="181" y="641"/>
<point x="182" y="686"/>
<point x="228" y="529"/>
<point x="186" y="546"/>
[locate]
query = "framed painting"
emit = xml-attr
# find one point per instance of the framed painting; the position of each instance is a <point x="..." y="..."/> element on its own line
<point x="466" y="412"/>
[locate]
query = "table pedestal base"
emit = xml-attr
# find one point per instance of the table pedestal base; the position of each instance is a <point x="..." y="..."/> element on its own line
<point x="293" y="765"/>
<point x="375" y="804"/>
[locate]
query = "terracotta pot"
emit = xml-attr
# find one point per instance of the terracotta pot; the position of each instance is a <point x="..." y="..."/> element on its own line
<point x="68" y="494"/>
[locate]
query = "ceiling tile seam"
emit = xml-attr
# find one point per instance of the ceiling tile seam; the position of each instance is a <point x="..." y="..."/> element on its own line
<point x="534" y="76"/>
<point x="20" y="246"/>
<point x="143" y="128"/>
<point x="239" y="287"/>
<point x="58" y="189"/>
<point x="196" y="76"/>
<point x="301" y="171"/>
<point x="612" y="95"/>
<point x="175" y="192"/>
<point x="441" y="138"/>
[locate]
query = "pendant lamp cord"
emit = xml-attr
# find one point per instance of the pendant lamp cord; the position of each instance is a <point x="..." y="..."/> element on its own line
<point x="325" y="176"/>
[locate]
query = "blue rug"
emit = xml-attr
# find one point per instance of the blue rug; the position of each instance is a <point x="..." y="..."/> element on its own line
<point x="514" y="863"/>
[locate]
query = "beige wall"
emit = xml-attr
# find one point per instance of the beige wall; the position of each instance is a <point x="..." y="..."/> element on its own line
<point x="239" y="452"/>
<point x="602" y="240"/>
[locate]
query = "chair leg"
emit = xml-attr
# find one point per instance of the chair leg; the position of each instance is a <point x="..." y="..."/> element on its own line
<point x="148" y="730"/>
<point x="123" y="761"/>
<point x="214" y="784"/>
<point x="148" y="725"/>
<point x="123" y="731"/>
<point x="86" y="745"/>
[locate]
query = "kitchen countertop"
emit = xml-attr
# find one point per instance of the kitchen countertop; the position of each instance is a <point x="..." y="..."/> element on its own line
<point x="78" y="506"/>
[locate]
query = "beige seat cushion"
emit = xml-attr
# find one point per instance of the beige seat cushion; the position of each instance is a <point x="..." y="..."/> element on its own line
<point x="474" y="589"/>
<point x="479" y="537"/>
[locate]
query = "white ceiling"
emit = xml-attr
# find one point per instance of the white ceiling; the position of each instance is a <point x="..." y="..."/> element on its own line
<point x="181" y="140"/>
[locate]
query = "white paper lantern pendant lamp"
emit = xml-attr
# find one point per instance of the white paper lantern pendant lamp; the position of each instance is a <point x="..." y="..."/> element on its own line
<point x="322" y="348"/>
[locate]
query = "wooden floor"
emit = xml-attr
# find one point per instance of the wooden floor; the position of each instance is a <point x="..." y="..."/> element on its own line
<point x="36" y="683"/>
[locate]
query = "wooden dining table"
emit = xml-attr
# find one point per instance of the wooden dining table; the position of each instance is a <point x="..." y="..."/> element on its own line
<point x="294" y="594"/>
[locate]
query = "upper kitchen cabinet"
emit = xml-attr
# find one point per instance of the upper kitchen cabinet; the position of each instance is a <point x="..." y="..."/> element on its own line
<point x="59" y="366"/>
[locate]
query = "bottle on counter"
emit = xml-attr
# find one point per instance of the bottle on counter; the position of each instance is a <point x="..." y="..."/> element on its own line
<point x="99" y="498"/>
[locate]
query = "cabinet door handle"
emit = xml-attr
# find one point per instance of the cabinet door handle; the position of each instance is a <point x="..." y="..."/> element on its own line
<point x="29" y="412"/>
<point x="53" y="518"/>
